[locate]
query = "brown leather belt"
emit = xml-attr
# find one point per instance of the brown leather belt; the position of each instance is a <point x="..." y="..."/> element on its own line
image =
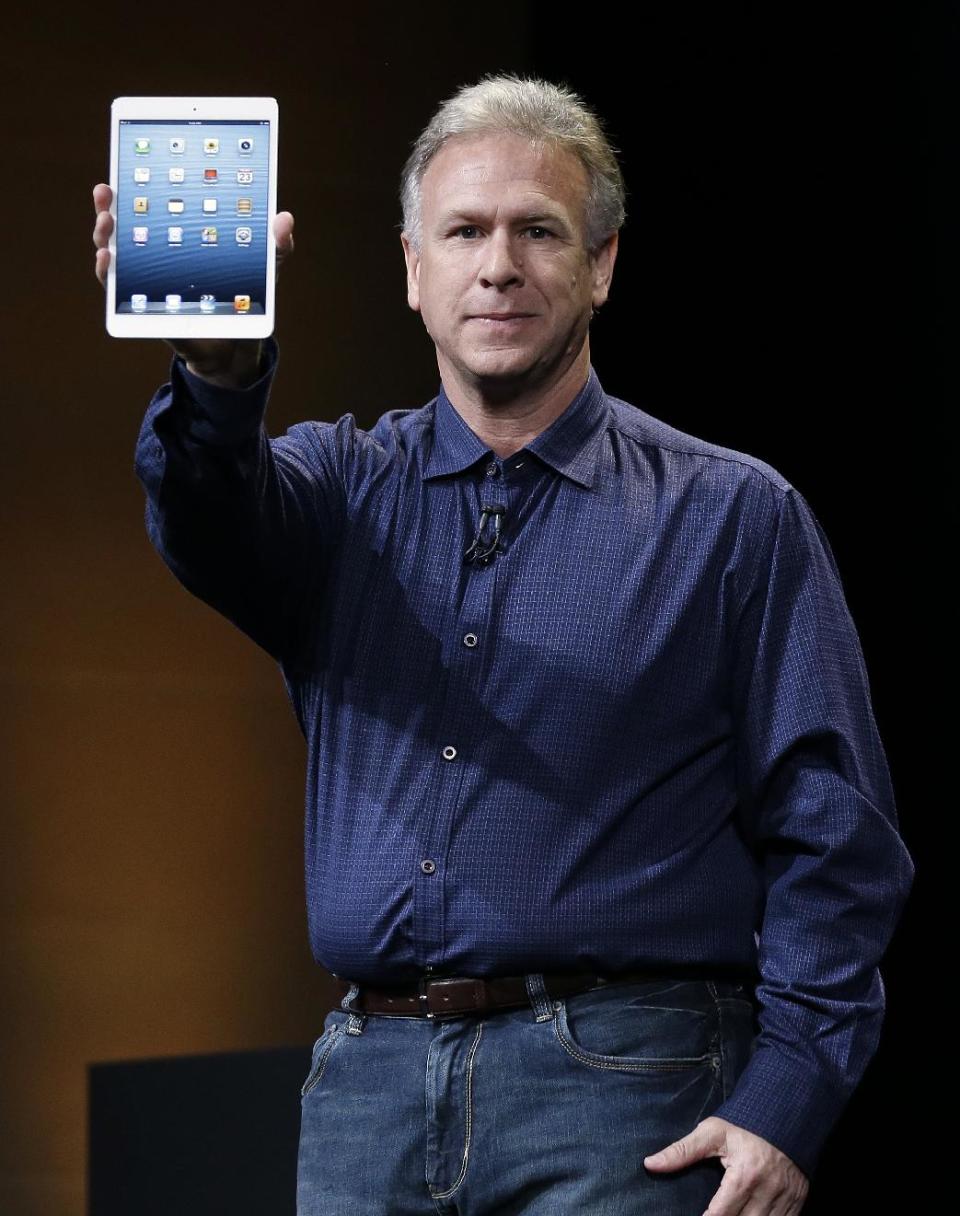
<point x="453" y="996"/>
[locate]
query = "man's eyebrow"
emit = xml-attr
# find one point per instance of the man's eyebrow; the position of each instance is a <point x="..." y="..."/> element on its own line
<point x="468" y="215"/>
<point x="542" y="217"/>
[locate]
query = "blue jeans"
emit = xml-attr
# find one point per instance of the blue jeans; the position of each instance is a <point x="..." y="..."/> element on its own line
<point x="541" y="1110"/>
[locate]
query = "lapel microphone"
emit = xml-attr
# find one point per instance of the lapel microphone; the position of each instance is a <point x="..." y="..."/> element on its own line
<point x="486" y="543"/>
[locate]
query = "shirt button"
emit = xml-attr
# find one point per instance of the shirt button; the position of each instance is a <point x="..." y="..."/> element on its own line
<point x="470" y="639"/>
<point x="449" y="753"/>
<point x="492" y="469"/>
<point x="428" y="866"/>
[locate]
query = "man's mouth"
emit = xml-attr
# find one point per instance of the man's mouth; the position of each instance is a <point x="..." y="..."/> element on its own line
<point x="500" y="318"/>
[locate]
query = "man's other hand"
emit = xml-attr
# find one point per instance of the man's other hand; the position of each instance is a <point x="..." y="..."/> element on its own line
<point x="759" y="1179"/>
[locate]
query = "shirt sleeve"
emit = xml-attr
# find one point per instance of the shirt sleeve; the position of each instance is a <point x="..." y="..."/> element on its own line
<point x="818" y="809"/>
<point x="245" y="522"/>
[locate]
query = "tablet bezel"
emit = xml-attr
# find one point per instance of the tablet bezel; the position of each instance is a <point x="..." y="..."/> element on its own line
<point x="197" y="325"/>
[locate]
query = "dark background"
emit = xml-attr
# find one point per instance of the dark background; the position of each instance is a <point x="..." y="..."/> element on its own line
<point x="780" y="290"/>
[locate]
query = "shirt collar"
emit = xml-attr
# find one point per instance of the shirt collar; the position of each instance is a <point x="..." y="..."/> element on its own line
<point x="570" y="444"/>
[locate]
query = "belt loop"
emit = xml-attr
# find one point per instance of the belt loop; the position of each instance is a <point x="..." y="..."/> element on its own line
<point x="356" y="1021"/>
<point x="537" y="992"/>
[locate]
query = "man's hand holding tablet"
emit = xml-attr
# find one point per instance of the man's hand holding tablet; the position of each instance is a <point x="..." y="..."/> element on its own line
<point x="187" y="233"/>
<point x="231" y="363"/>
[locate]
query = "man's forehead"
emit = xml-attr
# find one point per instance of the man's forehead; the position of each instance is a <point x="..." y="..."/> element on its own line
<point x="479" y="165"/>
<point x="480" y="159"/>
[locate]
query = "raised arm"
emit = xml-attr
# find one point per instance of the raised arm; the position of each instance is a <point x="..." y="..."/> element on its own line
<point x="245" y="522"/>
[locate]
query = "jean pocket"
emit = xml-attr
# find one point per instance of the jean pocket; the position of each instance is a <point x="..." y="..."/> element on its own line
<point x="642" y="1028"/>
<point x="322" y="1050"/>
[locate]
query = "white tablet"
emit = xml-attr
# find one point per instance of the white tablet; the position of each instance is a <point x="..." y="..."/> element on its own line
<point x="194" y="184"/>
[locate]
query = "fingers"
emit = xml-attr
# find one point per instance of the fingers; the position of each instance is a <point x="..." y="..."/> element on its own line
<point x="759" y="1179"/>
<point x="741" y="1195"/>
<point x="706" y="1140"/>
<point x="283" y="233"/>
<point x="757" y="1203"/>
<point x="102" y="197"/>
<point x="673" y="1157"/>
<point x="741" y="1199"/>
<point x="102" y="229"/>
<point x="102" y="265"/>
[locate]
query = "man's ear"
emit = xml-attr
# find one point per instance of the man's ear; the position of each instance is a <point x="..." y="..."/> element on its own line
<point x="412" y="258"/>
<point x="602" y="267"/>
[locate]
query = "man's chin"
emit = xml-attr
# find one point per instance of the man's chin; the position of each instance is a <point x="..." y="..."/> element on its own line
<point x="505" y="372"/>
<point x="505" y="384"/>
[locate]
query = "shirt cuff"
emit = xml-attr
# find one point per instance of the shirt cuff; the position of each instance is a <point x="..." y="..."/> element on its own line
<point x="777" y="1098"/>
<point x="224" y="415"/>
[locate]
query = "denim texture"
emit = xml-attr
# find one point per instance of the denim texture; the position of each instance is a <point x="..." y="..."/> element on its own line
<point x="545" y="1109"/>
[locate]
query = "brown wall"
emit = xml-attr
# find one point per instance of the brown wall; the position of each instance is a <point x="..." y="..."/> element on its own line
<point x="151" y="892"/>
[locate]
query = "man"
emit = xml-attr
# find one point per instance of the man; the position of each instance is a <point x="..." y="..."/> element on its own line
<point x="600" y="833"/>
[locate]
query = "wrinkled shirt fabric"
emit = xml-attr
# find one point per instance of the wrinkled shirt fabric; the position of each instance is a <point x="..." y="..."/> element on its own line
<point x="640" y="736"/>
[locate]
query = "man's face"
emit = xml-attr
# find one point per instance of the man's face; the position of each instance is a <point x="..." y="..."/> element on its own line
<point x="503" y="279"/>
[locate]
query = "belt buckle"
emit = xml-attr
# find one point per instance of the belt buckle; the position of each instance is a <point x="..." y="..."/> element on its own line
<point x="441" y="982"/>
<point x="423" y="998"/>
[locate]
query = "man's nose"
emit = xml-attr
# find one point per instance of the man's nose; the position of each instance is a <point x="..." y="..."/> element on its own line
<point x="502" y="264"/>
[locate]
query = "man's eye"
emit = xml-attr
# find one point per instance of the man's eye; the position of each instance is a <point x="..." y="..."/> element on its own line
<point x="537" y="232"/>
<point x="468" y="231"/>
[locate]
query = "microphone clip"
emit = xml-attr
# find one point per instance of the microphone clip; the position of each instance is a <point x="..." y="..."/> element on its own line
<point x="486" y="544"/>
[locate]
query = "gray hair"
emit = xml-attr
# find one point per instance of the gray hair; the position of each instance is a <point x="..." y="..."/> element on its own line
<point x="539" y="111"/>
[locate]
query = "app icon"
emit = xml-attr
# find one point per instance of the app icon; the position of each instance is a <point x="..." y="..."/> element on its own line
<point x="211" y="146"/>
<point x="140" y="236"/>
<point x="138" y="303"/>
<point x="176" y="175"/>
<point x="140" y="205"/>
<point x="178" y="145"/>
<point x="244" y="177"/>
<point x="141" y="174"/>
<point x="245" y="145"/>
<point x="208" y="303"/>
<point x="244" y="236"/>
<point x="172" y="303"/>
<point x="244" y="206"/>
<point x="174" y="236"/>
<point x="241" y="303"/>
<point x="209" y="206"/>
<point x="211" y="175"/>
<point x="141" y="146"/>
<point x="208" y="236"/>
<point x="175" y="206"/>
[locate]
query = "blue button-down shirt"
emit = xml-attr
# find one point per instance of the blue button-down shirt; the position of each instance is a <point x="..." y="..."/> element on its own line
<point x="639" y="736"/>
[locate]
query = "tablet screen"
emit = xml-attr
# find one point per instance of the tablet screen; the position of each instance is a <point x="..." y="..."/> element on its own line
<point x="192" y="213"/>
